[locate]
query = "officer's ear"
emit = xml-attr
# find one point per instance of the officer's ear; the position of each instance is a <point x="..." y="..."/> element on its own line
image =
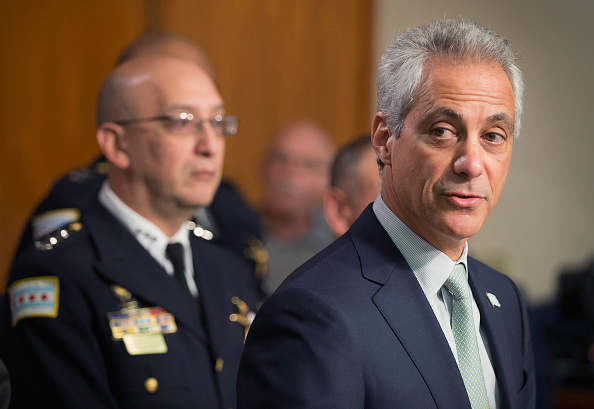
<point x="112" y="142"/>
<point x="337" y="211"/>
<point x="380" y="133"/>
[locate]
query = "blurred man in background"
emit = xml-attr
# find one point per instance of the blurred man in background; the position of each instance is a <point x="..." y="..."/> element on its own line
<point x="354" y="183"/>
<point x="295" y="176"/>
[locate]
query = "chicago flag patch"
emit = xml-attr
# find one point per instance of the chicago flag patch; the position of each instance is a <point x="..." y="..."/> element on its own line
<point x="34" y="297"/>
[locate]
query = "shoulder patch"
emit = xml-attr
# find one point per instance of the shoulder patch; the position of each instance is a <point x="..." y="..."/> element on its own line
<point x="52" y="220"/>
<point x="34" y="297"/>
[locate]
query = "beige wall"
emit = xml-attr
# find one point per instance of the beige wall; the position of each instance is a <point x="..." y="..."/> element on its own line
<point x="544" y="221"/>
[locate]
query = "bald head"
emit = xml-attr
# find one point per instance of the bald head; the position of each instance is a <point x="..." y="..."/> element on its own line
<point x="167" y="44"/>
<point x="304" y="132"/>
<point x="296" y="168"/>
<point x="135" y="88"/>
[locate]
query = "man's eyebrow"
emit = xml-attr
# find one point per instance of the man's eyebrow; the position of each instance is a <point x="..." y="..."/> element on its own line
<point x="191" y="108"/>
<point x="440" y="112"/>
<point x="501" y="117"/>
<point x="218" y="107"/>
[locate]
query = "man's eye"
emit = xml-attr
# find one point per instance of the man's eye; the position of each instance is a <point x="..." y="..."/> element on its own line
<point x="439" y="131"/>
<point x="180" y="122"/>
<point x="494" y="137"/>
<point x="180" y="125"/>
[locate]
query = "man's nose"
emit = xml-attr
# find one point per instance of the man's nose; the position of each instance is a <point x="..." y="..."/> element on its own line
<point x="469" y="159"/>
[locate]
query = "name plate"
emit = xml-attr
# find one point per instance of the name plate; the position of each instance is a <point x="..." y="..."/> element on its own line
<point x="145" y="344"/>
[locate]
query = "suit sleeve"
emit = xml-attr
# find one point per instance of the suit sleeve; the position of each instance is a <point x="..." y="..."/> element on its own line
<point x="299" y="354"/>
<point x="56" y="362"/>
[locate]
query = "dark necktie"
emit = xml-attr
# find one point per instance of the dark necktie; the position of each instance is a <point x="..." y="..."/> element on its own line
<point x="175" y="253"/>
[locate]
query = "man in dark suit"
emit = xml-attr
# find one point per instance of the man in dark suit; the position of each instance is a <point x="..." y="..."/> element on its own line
<point x="395" y="314"/>
<point x="125" y="308"/>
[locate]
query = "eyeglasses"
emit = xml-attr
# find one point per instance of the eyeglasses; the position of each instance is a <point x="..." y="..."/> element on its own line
<point x="186" y="124"/>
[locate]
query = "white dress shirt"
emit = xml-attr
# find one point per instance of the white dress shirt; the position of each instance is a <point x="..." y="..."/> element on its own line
<point x="432" y="268"/>
<point x="149" y="235"/>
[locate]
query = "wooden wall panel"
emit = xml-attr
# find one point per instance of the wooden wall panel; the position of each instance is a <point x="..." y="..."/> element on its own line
<point x="276" y="61"/>
<point x="53" y="57"/>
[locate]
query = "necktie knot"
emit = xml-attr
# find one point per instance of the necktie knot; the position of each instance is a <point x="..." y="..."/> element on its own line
<point x="457" y="282"/>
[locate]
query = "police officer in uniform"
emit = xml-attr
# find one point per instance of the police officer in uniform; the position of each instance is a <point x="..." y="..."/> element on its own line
<point x="125" y="308"/>
<point x="228" y="221"/>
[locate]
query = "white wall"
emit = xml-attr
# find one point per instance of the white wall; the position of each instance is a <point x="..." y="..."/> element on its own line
<point x="544" y="221"/>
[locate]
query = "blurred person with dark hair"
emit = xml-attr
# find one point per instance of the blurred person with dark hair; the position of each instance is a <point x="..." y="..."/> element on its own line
<point x="354" y="183"/>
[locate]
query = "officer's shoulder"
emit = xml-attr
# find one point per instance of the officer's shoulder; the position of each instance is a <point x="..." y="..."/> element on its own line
<point x="54" y="254"/>
<point x="60" y="237"/>
<point x="75" y="188"/>
<point x="94" y="172"/>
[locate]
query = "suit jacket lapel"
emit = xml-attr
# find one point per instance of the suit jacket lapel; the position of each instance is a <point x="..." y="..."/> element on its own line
<point x="125" y="262"/>
<point x="212" y="288"/>
<point x="494" y="326"/>
<point x="406" y="310"/>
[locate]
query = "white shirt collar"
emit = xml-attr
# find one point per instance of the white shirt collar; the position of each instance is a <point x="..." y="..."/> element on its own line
<point x="430" y="265"/>
<point x="146" y="232"/>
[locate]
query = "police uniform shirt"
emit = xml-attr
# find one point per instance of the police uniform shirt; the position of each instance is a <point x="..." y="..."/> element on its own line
<point x="150" y="236"/>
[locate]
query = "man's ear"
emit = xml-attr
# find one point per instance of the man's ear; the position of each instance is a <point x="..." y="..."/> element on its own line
<point x="337" y="211"/>
<point x="380" y="133"/>
<point x="112" y="142"/>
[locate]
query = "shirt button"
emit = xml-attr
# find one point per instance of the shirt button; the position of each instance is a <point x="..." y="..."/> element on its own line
<point x="219" y="364"/>
<point x="151" y="385"/>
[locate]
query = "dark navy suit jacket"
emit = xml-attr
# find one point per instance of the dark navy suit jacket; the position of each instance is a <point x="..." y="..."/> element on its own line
<point x="351" y="328"/>
<point x="72" y="361"/>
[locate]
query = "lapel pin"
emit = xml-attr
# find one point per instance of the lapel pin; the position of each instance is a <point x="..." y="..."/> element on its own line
<point x="493" y="300"/>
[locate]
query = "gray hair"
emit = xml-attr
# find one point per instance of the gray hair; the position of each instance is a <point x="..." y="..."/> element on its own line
<point x="400" y="69"/>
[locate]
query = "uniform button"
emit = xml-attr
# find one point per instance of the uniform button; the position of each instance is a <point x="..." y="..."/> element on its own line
<point x="219" y="364"/>
<point x="151" y="385"/>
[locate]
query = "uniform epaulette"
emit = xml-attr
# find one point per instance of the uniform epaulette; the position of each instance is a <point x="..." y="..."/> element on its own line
<point x="84" y="174"/>
<point x="199" y="231"/>
<point x="48" y="222"/>
<point x="51" y="240"/>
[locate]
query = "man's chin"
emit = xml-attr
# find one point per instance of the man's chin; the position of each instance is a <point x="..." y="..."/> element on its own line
<point x="195" y="203"/>
<point x="463" y="229"/>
